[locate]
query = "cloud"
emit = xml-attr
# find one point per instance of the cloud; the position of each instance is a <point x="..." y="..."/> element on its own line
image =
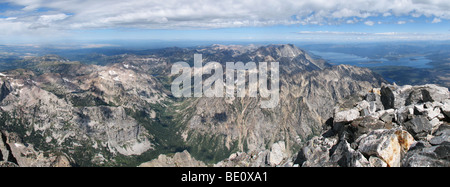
<point x="370" y="23"/>
<point x="332" y="33"/>
<point x="386" y="33"/>
<point x="436" y="20"/>
<point x="47" y="20"/>
<point x="52" y="19"/>
<point x="90" y="46"/>
<point x="194" y="14"/>
<point x="368" y="36"/>
<point x="350" y="33"/>
<point x="401" y="22"/>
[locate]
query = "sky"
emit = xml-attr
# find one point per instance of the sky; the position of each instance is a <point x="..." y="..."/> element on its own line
<point x="93" y="22"/>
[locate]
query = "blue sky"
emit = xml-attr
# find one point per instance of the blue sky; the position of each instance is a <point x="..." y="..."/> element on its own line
<point x="82" y="21"/>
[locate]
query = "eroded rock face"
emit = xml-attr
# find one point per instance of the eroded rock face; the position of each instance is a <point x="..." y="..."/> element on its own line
<point x="309" y="92"/>
<point x="7" y="164"/>
<point x="16" y="153"/>
<point x="111" y="124"/>
<point x="278" y="153"/>
<point x="180" y="159"/>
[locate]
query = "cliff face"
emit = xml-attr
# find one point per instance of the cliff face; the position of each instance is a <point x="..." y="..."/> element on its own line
<point x="309" y="89"/>
<point x="124" y="113"/>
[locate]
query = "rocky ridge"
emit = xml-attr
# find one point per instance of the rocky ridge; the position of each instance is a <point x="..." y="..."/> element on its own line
<point x="367" y="131"/>
<point x="309" y="90"/>
<point x="14" y="152"/>
<point x="180" y="159"/>
<point x="392" y="126"/>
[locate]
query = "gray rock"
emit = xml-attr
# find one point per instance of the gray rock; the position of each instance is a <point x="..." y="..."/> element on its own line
<point x="316" y="153"/>
<point x="418" y="96"/>
<point x="446" y="109"/>
<point x="434" y="156"/>
<point x="371" y="97"/>
<point x="180" y="159"/>
<point x="251" y="159"/>
<point x="372" y="107"/>
<point x="7" y="164"/>
<point x="433" y="112"/>
<point x="388" y="116"/>
<point x="278" y="153"/>
<point x="404" y="114"/>
<point x="419" y="126"/>
<point x="387" y="145"/>
<point x="367" y="124"/>
<point x="376" y="162"/>
<point x="387" y="97"/>
<point x="346" y="116"/>
<point x="365" y="112"/>
<point x="393" y="96"/>
<point x="4" y="151"/>
<point x="441" y="135"/>
<point x="345" y="156"/>
<point x="437" y="93"/>
<point x="5" y="89"/>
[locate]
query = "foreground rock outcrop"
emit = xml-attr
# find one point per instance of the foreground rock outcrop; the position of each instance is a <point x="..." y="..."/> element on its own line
<point x="181" y="159"/>
<point x="392" y="126"/>
<point x="15" y="153"/>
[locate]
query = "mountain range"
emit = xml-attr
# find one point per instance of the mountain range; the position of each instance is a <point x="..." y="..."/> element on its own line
<point x="57" y="112"/>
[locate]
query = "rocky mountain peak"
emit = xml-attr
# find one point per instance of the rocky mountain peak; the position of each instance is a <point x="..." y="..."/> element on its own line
<point x="279" y="51"/>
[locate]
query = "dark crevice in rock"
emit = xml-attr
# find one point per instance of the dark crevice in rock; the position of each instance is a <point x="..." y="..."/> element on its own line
<point x="11" y="157"/>
<point x="4" y="90"/>
<point x="1" y="155"/>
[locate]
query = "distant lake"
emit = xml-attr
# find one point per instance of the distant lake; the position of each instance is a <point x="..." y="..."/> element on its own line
<point x="354" y="60"/>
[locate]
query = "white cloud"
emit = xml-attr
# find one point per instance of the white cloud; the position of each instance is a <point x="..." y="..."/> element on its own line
<point x="386" y="33"/>
<point x="225" y="13"/>
<point x="332" y="33"/>
<point x="370" y="23"/>
<point x="90" y="46"/>
<point x="51" y="18"/>
<point x="367" y="36"/>
<point x="10" y="18"/>
<point x="436" y="20"/>
<point x="60" y="18"/>
<point x="401" y="22"/>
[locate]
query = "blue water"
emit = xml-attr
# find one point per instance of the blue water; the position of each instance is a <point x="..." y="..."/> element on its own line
<point x="354" y="60"/>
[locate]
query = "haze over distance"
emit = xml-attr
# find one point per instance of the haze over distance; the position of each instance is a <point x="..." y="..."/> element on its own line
<point x="376" y="34"/>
